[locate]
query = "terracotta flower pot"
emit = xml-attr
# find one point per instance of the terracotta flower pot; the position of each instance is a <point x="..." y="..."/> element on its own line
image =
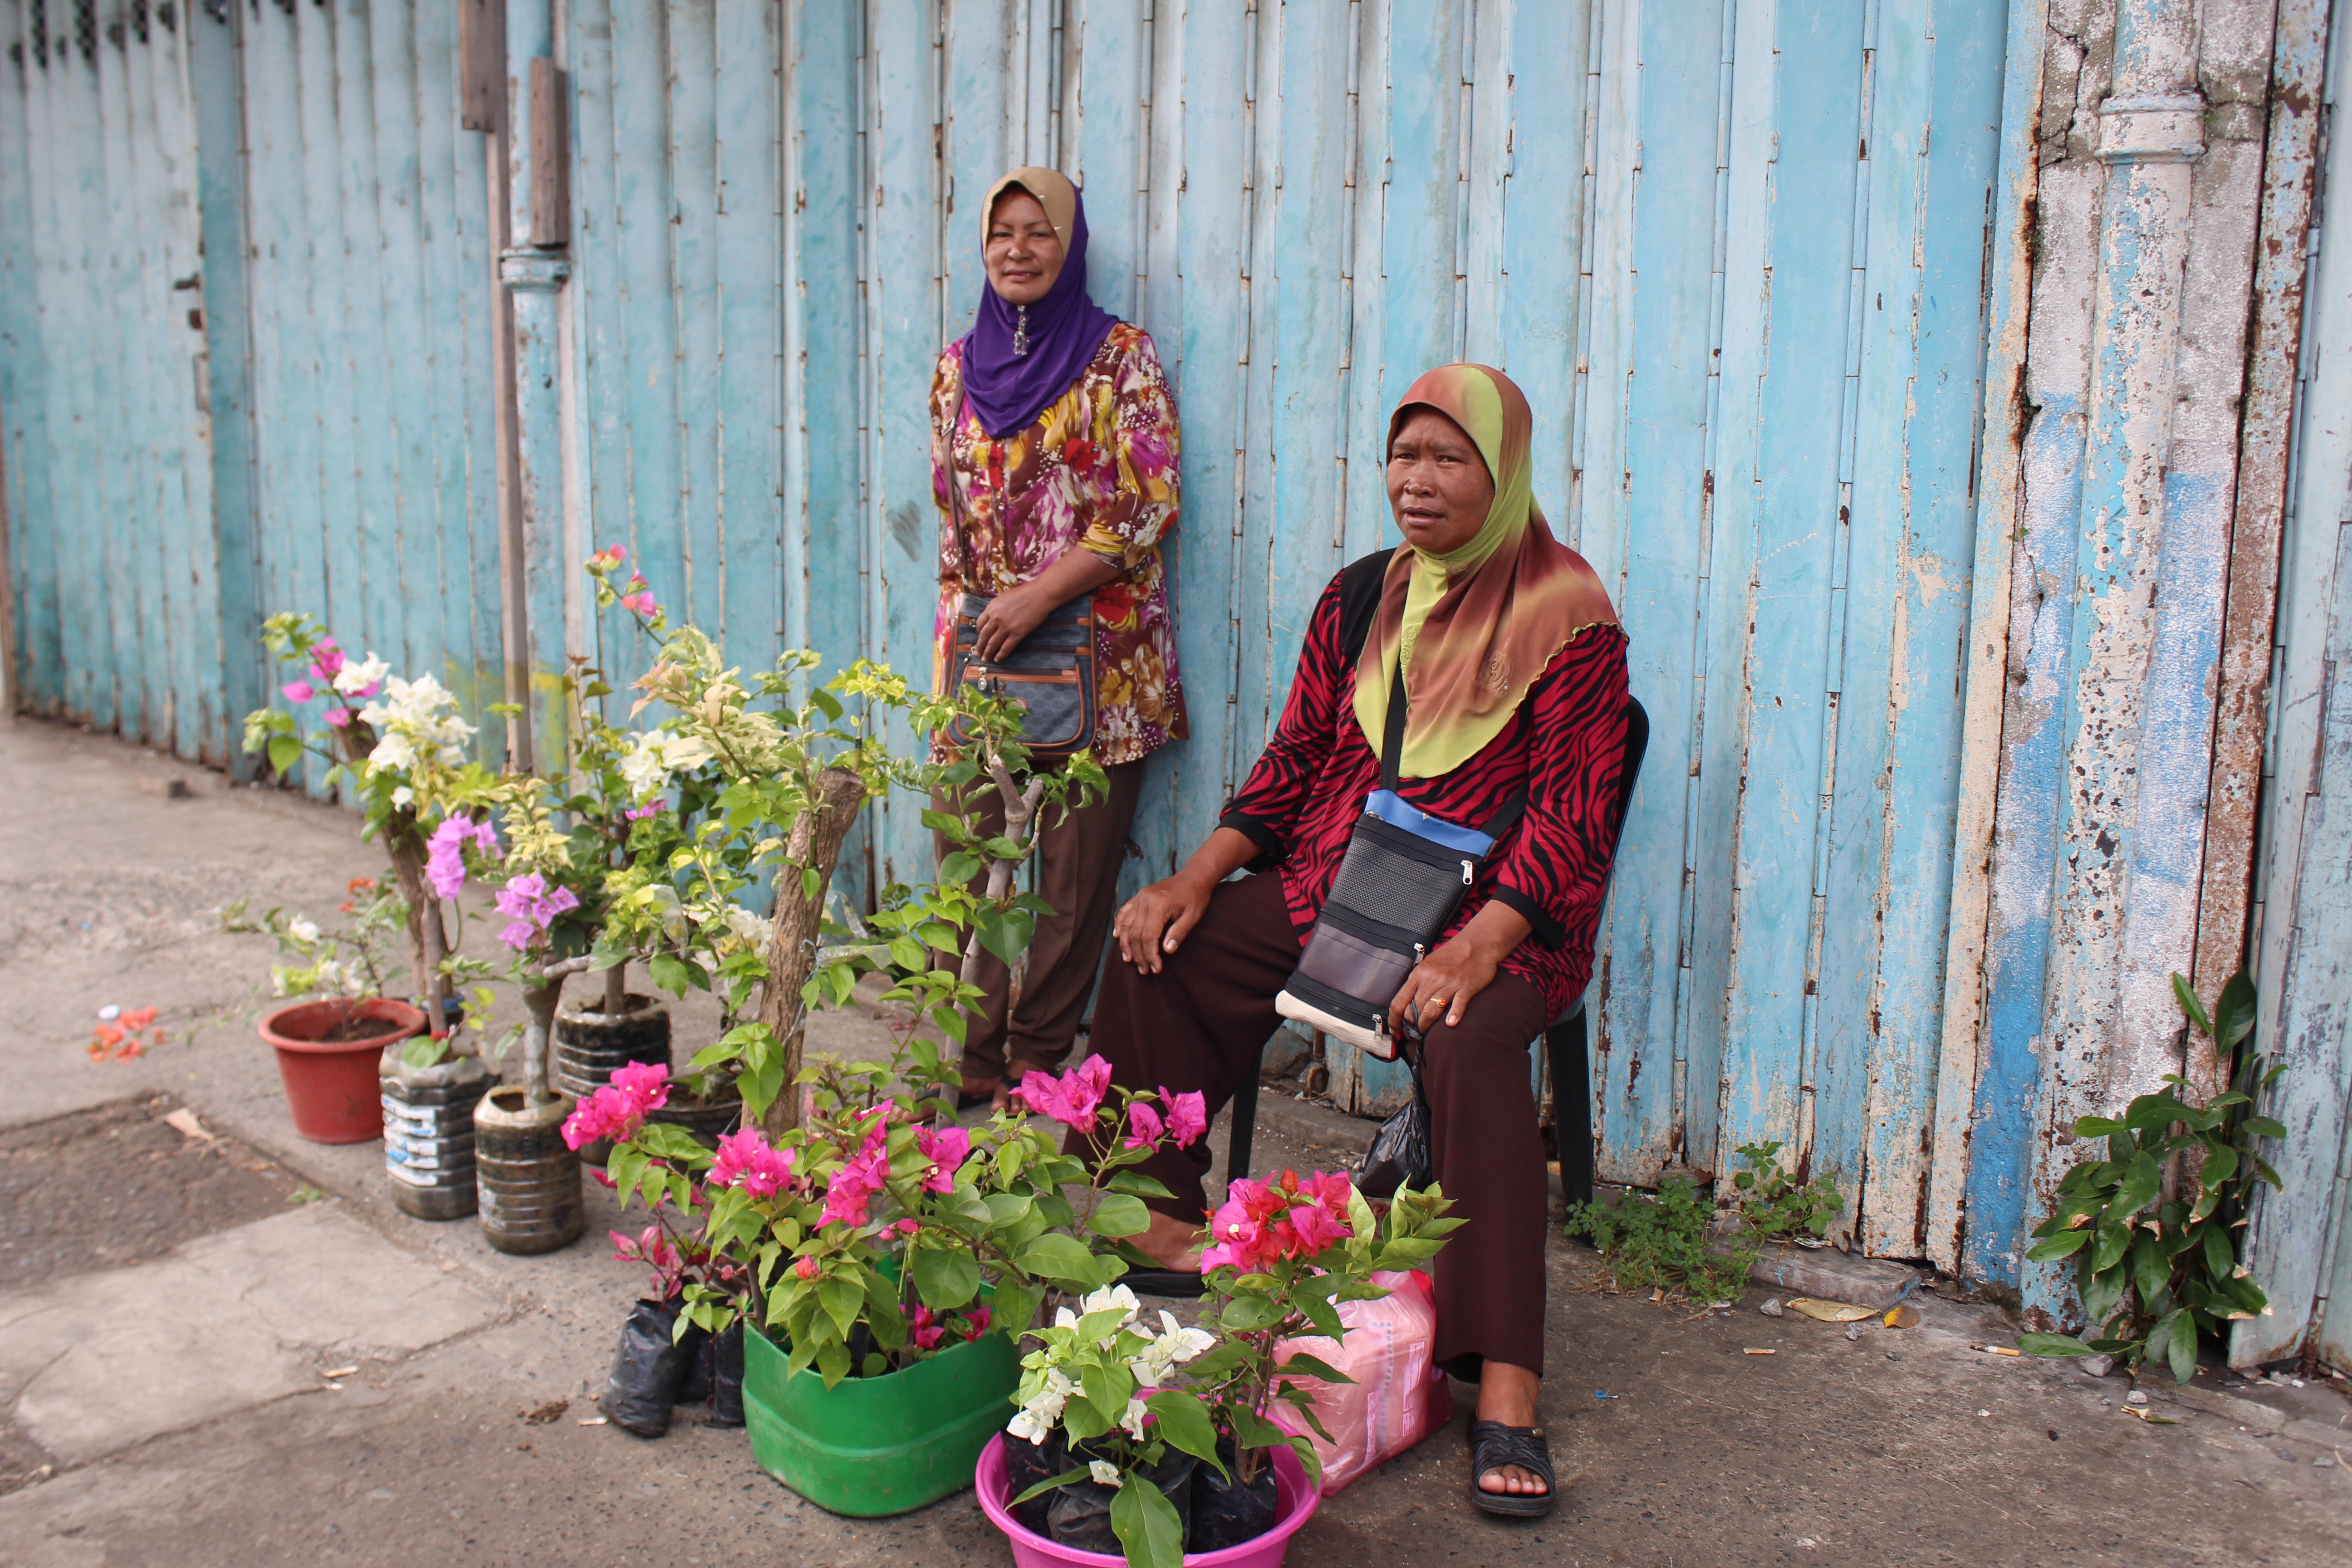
<point x="331" y="1084"/>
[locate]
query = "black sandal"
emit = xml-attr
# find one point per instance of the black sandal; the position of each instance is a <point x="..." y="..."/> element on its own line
<point x="1495" y="1446"/>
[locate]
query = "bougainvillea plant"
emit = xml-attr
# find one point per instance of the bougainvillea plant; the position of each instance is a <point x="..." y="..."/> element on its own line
<point x="1281" y="1255"/>
<point x="871" y="1235"/>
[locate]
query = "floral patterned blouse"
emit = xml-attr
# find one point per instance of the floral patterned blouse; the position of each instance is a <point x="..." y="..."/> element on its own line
<point x="1094" y="470"/>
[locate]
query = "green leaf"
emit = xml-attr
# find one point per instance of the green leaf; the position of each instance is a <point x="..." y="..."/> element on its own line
<point x="2114" y="1240"/>
<point x="2219" y="1257"/>
<point x="2193" y="1008"/>
<point x="2052" y="1344"/>
<point x="285" y="750"/>
<point x="841" y="1299"/>
<point x="2152" y="1270"/>
<point x="1065" y="1479"/>
<point x="1121" y="1214"/>
<point x="2153" y="1112"/>
<point x="1146" y="1524"/>
<point x="1016" y="1307"/>
<point x="2265" y="1127"/>
<point x="961" y="867"/>
<point x="2095" y="1127"/>
<point x="2233" y="1012"/>
<point x="1304" y="1365"/>
<point x="2179" y="1340"/>
<point x="1059" y="1258"/>
<point x="2141" y="1179"/>
<point x="945" y="1277"/>
<point x="1137" y="1184"/>
<point x="670" y="973"/>
<point x="1184" y="1421"/>
<point x="2066" y="1244"/>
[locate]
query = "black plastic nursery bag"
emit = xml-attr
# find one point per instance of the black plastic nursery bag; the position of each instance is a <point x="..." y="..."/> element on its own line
<point x="647" y="1371"/>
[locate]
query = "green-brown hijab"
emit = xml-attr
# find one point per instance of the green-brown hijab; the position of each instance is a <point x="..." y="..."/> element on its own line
<point x="1481" y="623"/>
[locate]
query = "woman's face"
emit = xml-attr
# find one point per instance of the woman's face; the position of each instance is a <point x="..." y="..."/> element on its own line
<point x="1438" y="484"/>
<point x="1024" y="254"/>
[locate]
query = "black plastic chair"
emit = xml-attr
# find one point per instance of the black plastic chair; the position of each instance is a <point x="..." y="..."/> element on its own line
<point x="1567" y="1043"/>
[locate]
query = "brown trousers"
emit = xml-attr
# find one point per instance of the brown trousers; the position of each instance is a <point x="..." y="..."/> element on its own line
<point x="1077" y="858"/>
<point x="1200" y="1024"/>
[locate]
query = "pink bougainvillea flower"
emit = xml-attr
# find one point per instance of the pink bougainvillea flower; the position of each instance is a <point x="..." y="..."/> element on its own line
<point x="445" y="857"/>
<point x="619" y="1109"/>
<point x="1250" y="1229"/>
<point x="908" y="1226"/>
<point x="326" y="659"/>
<point x="639" y="813"/>
<point x="641" y="602"/>
<point x="978" y="1317"/>
<point x="946" y="1150"/>
<point x="925" y="1329"/>
<point x="1188" y="1116"/>
<point x="854" y="1185"/>
<point x="1071" y="1098"/>
<point x="1333" y="1190"/>
<point x="805" y="1267"/>
<point x="1144" y="1127"/>
<point x="299" y="691"/>
<point x="531" y="906"/>
<point x="337" y="717"/>
<point x="746" y="1159"/>
<point x="1316" y="1229"/>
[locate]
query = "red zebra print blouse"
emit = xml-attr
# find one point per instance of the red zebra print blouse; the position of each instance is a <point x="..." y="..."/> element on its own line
<point x="1301" y="801"/>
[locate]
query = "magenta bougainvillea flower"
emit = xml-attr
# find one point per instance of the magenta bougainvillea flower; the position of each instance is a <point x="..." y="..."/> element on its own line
<point x="444" y="855"/>
<point x="746" y="1159"/>
<point x="1186" y="1120"/>
<point x="1071" y="1098"/>
<point x="946" y="1150"/>
<point x="854" y="1185"/>
<point x="619" y="1109"/>
<point x="1264" y="1223"/>
<point x="297" y="691"/>
<point x="531" y="906"/>
<point x="1145" y="1126"/>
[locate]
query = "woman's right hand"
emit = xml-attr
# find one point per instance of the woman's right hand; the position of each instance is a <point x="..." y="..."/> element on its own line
<point x="1154" y="922"/>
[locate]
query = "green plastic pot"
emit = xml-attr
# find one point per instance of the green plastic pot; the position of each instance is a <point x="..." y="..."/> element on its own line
<point x="875" y="1446"/>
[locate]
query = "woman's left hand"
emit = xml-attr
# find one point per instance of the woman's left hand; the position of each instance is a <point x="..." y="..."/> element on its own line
<point x="1443" y="984"/>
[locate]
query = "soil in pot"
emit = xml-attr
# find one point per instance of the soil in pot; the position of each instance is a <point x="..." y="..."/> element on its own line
<point x="529" y="1179"/>
<point x="1225" y="1511"/>
<point x="328" y="1054"/>
<point x="1079" y="1513"/>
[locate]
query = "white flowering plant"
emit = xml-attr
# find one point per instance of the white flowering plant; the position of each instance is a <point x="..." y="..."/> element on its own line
<point x="400" y="749"/>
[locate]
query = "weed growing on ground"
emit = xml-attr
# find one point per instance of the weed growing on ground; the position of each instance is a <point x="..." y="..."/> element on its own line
<point x="1663" y="1243"/>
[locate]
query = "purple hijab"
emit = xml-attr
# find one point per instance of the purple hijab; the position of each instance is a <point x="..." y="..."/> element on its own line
<point x="1017" y="360"/>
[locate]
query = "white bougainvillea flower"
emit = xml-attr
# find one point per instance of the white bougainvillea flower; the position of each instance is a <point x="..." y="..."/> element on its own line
<point x="1104" y="1471"/>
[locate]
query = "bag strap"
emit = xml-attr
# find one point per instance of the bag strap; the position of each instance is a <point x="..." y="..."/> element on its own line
<point x="1393" y="758"/>
<point x="1360" y="600"/>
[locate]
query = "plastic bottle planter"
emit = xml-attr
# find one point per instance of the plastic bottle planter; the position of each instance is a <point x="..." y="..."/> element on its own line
<point x="590" y="1049"/>
<point x="1295" y="1504"/>
<point x="876" y="1445"/>
<point x="707" y="1123"/>
<point x="428" y="1146"/>
<point x="529" y="1182"/>
<point x="331" y="1083"/>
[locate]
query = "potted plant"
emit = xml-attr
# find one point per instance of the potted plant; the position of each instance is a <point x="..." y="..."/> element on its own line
<point x="334" y="1022"/>
<point x="1110" y="1452"/>
<point x="887" y="1263"/>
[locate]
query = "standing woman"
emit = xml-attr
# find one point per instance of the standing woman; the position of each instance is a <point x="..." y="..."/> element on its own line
<point x="1054" y="423"/>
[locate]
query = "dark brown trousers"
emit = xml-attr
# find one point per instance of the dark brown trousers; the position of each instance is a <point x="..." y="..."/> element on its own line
<point x="1077" y="860"/>
<point x="1200" y="1024"/>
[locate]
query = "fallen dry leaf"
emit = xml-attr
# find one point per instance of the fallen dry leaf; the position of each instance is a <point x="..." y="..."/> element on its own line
<point x="1829" y="1311"/>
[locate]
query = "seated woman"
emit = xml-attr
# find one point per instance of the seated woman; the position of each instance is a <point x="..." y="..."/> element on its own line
<point x="1493" y="620"/>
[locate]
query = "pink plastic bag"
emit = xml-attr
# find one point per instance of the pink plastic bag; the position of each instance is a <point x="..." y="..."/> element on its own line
<point x="1399" y="1397"/>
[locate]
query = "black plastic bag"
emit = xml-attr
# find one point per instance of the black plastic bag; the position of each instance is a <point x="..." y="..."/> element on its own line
<point x="647" y="1371"/>
<point x="694" y="1388"/>
<point x="1398" y="1156"/>
<point x="1026" y="1464"/>
<point x="1224" y="1512"/>
<point x="1080" y="1516"/>
<point x="726" y="1375"/>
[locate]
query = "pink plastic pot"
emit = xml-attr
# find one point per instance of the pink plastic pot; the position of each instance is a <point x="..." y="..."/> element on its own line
<point x="1295" y="1502"/>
